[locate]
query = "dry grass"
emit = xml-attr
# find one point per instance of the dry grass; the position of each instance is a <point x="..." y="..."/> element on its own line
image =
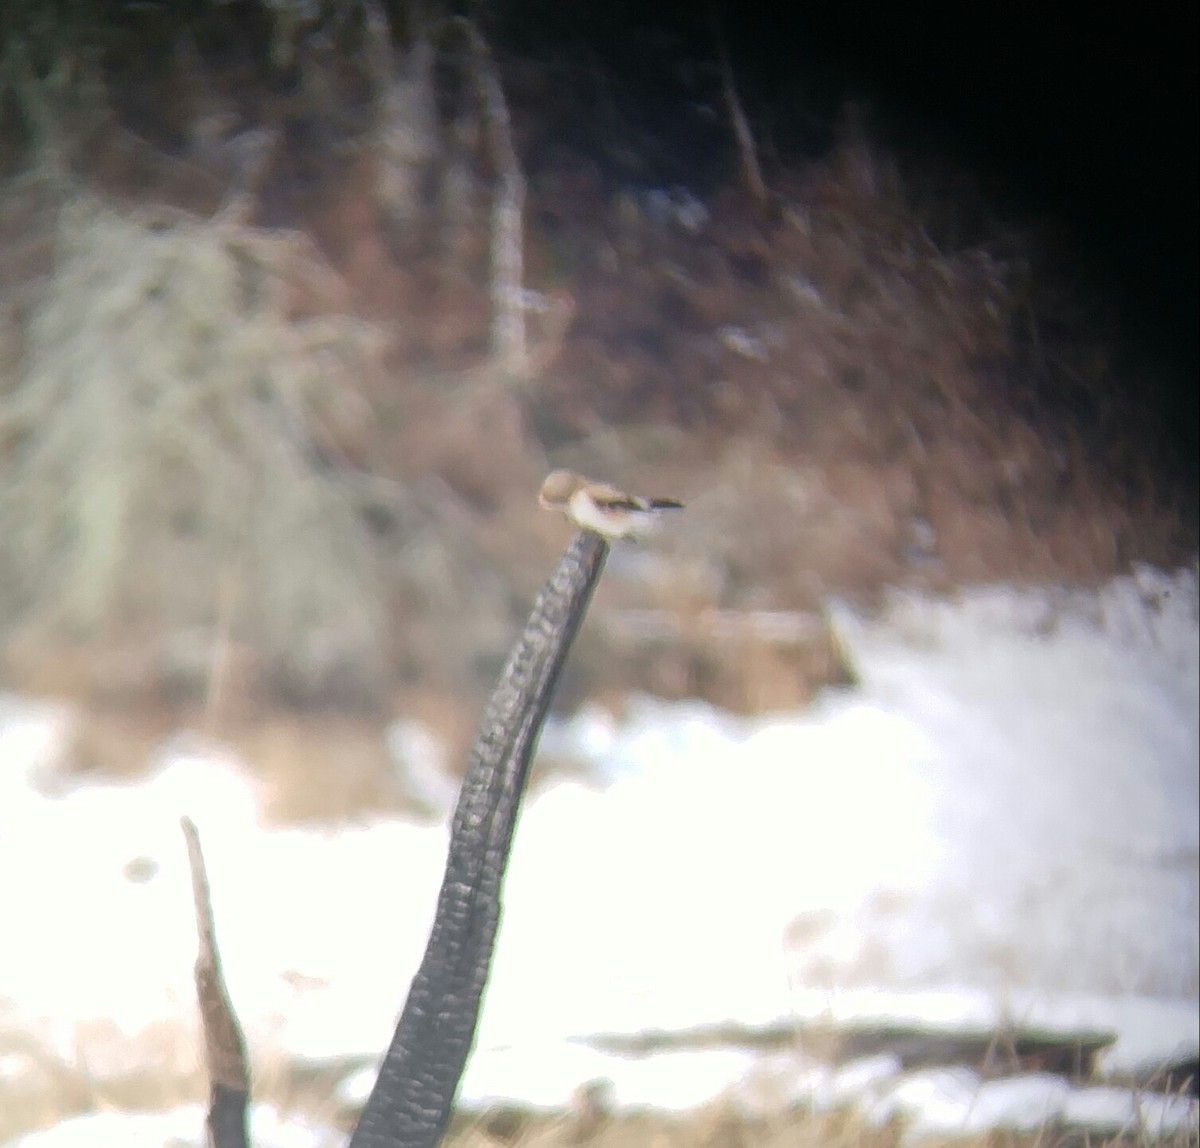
<point x="714" y="1128"/>
<point x="48" y="1089"/>
<point x="720" y="1127"/>
<point x="161" y="461"/>
<point x="178" y="476"/>
<point x="163" y="1070"/>
<point x="62" y="1094"/>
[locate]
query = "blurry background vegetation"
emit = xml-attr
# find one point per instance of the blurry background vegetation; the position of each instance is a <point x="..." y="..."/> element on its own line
<point x="256" y="450"/>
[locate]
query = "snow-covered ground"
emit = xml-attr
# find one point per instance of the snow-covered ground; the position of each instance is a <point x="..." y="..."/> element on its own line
<point x="999" y="824"/>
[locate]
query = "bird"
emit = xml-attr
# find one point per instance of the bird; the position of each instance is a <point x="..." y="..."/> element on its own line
<point x="601" y="508"/>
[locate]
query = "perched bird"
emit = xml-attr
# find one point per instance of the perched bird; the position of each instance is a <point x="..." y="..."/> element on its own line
<point x="601" y="508"/>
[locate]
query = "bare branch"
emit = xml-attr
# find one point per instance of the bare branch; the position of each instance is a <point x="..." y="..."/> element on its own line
<point x="751" y="171"/>
<point x="224" y="1044"/>
<point x="410" y="1104"/>
<point x="508" y="207"/>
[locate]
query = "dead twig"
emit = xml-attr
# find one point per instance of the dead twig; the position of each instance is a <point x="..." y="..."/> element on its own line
<point x="751" y="171"/>
<point x="224" y="1043"/>
<point x="508" y="207"/>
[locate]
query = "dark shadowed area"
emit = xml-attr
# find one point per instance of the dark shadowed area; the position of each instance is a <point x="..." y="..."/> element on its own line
<point x="1087" y="124"/>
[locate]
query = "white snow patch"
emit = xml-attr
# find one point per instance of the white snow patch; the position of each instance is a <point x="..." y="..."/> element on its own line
<point x="182" y="1127"/>
<point x="955" y="1102"/>
<point x="999" y="825"/>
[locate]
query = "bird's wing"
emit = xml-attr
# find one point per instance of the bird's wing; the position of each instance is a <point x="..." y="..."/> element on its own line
<point x="610" y="498"/>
